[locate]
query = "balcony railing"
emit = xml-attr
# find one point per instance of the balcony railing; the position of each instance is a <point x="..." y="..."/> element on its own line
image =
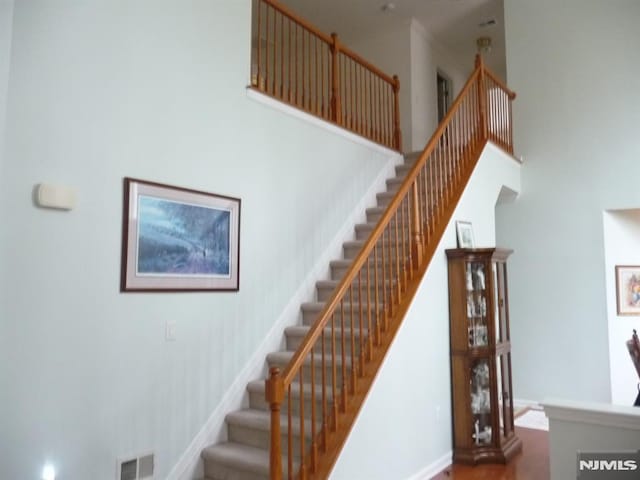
<point x="298" y="64"/>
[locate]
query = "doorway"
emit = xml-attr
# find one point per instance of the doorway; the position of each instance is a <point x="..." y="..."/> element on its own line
<point x="444" y="94"/>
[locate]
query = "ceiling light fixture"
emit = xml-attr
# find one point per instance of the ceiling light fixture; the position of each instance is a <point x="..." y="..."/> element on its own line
<point x="483" y="44"/>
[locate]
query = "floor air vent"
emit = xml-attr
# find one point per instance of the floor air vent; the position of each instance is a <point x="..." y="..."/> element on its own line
<point x="140" y="468"/>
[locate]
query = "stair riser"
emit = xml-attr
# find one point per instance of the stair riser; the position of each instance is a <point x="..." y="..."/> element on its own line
<point x="374" y="217"/>
<point x="325" y="293"/>
<point x="216" y="471"/>
<point x="261" y="438"/>
<point x="310" y="317"/>
<point x="257" y="401"/>
<point x="352" y="252"/>
<point x="364" y="233"/>
<point x="337" y="272"/>
<point x="294" y="341"/>
<point x="306" y="370"/>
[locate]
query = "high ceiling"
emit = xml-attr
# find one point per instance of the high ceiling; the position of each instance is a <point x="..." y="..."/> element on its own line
<point x="456" y="24"/>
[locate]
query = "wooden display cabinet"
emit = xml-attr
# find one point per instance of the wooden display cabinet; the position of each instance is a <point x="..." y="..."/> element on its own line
<point x="481" y="357"/>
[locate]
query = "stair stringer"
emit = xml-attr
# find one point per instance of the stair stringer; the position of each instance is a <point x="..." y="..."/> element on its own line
<point x="189" y="466"/>
<point x="406" y="416"/>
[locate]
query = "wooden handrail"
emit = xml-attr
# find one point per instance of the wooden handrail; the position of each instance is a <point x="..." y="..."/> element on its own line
<point x="298" y="19"/>
<point x="369" y="66"/>
<point x="294" y="62"/>
<point x="500" y="83"/>
<point x="417" y="212"/>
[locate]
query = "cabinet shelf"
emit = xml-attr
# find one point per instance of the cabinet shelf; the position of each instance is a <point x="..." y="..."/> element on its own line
<point x="482" y="397"/>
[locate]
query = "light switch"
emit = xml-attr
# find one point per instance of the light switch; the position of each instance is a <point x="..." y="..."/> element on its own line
<point x="170" y="331"/>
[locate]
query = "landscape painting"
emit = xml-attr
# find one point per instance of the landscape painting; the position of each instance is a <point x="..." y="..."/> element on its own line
<point x="179" y="239"/>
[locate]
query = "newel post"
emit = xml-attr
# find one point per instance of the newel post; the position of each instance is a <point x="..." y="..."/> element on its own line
<point x="417" y="244"/>
<point x="397" y="134"/>
<point x="274" y="393"/>
<point x="336" y="107"/>
<point x="482" y="98"/>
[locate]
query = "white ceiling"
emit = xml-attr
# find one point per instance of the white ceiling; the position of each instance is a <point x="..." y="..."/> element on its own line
<point x="453" y="23"/>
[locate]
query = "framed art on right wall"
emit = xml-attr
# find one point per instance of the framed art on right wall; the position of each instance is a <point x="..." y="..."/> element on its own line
<point x="628" y="289"/>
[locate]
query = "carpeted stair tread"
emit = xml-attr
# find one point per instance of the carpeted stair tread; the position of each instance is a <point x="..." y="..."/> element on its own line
<point x="238" y="455"/>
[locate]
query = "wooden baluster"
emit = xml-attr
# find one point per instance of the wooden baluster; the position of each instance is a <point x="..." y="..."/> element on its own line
<point x="510" y="124"/>
<point x="358" y="93"/>
<point x="389" y="277"/>
<point x="334" y="374"/>
<point x="379" y="313"/>
<point x="258" y="45"/>
<point x="310" y="99"/>
<point x="290" y="433"/>
<point x="482" y="101"/>
<point x="399" y="282"/>
<point x="352" y="90"/>
<point x="335" y="80"/>
<point x="303" y="463"/>
<point x="417" y="249"/>
<point x="361" y="322"/>
<point x="353" y="340"/>
<point x="406" y="238"/>
<point x="370" y="312"/>
<point x="371" y="114"/>
<point x="344" y="358"/>
<point x="314" y="445"/>
<point x="274" y="389"/>
<point x="266" y="50"/>
<point x="385" y="298"/>
<point x="282" y="57"/>
<point x="323" y="413"/>
<point x="322" y="64"/>
<point x="275" y="43"/>
<point x="318" y="94"/>
<point x="397" y="136"/>
<point x="297" y="52"/>
<point x="303" y="73"/>
<point x="289" y="62"/>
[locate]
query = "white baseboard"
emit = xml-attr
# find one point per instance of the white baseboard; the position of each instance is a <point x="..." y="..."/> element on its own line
<point x="434" y="468"/>
<point x="523" y="403"/>
<point x="190" y="466"/>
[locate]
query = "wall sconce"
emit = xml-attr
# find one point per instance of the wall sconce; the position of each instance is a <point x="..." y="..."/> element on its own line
<point x="483" y="44"/>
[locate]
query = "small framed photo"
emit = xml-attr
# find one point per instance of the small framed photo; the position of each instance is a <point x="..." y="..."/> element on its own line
<point x="464" y="232"/>
<point x="628" y="289"/>
<point x="175" y="239"/>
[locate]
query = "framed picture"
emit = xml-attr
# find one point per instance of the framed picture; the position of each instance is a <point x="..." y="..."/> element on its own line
<point x="628" y="289"/>
<point x="176" y="239"/>
<point x="464" y="233"/>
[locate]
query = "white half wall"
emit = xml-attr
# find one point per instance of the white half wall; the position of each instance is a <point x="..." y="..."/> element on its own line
<point x="153" y="90"/>
<point x="576" y="121"/>
<point x="406" y="419"/>
<point x="591" y="427"/>
<point x="621" y="234"/>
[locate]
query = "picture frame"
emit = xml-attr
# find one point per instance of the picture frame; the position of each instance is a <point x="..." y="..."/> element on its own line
<point x="176" y="239"/>
<point x="628" y="289"/>
<point x="464" y="234"/>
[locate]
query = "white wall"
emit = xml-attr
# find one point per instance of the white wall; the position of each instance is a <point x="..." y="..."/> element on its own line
<point x="427" y="57"/>
<point x="154" y="90"/>
<point x="621" y="234"/>
<point x="406" y="419"/>
<point x="575" y="122"/>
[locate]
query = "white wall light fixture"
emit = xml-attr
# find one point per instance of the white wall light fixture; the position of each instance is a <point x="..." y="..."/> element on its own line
<point x="55" y="196"/>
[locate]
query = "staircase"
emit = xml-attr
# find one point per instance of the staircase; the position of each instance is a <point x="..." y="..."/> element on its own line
<point x="299" y="418"/>
<point x="245" y="456"/>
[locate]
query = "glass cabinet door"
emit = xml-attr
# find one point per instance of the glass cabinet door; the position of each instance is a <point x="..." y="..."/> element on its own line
<point x="476" y="284"/>
<point x="480" y="399"/>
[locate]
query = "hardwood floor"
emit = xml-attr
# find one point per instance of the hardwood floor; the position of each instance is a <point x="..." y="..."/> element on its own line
<point x="531" y="464"/>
